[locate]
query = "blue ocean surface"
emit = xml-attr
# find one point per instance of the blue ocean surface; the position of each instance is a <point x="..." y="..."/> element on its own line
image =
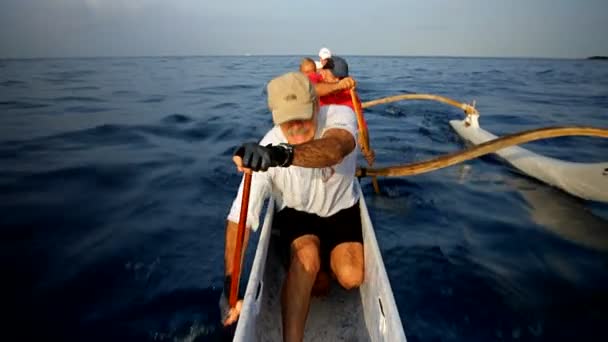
<point x="116" y="178"/>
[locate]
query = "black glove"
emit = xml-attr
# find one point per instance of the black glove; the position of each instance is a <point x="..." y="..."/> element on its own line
<point x="260" y="158"/>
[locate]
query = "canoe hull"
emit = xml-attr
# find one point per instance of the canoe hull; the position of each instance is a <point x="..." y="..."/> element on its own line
<point x="366" y="314"/>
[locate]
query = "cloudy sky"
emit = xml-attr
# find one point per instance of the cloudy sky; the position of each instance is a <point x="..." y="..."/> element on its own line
<point x="496" y="28"/>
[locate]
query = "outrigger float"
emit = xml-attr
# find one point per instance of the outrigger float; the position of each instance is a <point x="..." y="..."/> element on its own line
<point x="585" y="180"/>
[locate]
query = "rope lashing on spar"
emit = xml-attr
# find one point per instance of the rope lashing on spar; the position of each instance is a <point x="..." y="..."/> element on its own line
<point x="473" y="152"/>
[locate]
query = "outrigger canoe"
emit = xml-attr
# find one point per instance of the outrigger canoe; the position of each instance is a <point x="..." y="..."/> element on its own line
<point x="366" y="314"/>
<point x="585" y="180"/>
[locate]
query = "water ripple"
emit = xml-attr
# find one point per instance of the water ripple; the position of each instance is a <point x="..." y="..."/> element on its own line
<point x="221" y="89"/>
<point x="86" y="109"/>
<point x="177" y="119"/>
<point x="13" y="83"/>
<point x="21" y="105"/>
<point x="81" y="88"/>
<point x="153" y="99"/>
<point x="78" y="99"/>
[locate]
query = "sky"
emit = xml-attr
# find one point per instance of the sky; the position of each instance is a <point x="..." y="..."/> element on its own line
<point x="485" y="28"/>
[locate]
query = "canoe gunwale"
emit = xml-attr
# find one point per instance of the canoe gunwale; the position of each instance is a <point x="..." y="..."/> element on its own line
<point x="255" y="285"/>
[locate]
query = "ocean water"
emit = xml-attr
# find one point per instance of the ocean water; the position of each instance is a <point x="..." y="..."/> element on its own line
<point x="116" y="177"/>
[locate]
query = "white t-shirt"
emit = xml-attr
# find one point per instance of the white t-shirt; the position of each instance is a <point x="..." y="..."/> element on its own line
<point x="321" y="191"/>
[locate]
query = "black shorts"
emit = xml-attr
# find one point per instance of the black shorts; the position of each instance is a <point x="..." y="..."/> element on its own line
<point x="343" y="226"/>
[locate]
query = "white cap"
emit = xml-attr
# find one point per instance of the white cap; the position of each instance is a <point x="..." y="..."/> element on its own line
<point x="324" y="53"/>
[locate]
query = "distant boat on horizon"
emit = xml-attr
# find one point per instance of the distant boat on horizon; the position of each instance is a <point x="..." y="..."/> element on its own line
<point x="598" y="58"/>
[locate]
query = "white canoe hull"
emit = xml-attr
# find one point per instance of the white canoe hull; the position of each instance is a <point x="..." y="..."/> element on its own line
<point x="366" y="314"/>
<point x="585" y="180"/>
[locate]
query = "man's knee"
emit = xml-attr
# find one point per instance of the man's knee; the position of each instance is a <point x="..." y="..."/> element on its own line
<point x="307" y="257"/>
<point x="349" y="276"/>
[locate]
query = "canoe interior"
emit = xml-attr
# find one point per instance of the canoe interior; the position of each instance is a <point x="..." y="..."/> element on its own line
<point x="335" y="317"/>
<point x="365" y="314"/>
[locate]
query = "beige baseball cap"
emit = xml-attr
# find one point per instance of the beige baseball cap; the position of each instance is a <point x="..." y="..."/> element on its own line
<point x="291" y="97"/>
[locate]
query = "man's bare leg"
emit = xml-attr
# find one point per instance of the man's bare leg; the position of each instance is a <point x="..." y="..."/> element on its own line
<point x="321" y="286"/>
<point x="304" y="266"/>
<point x="347" y="264"/>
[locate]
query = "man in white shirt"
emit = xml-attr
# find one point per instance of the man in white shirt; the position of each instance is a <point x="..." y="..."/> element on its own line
<point x="309" y="159"/>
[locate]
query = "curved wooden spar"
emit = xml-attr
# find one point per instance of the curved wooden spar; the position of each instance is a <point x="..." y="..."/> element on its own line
<point x="482" y="149"/>
<point x="468" y="109"/>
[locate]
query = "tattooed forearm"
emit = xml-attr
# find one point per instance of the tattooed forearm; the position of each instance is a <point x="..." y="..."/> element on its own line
<point x="323" y="88"/>
<point x="327" y="151"/>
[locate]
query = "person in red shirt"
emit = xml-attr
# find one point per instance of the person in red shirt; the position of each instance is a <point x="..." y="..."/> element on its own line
<point x="333" y="84"/>
<point x="307" y="66"/>
<point x="325" y="87"/>
<point x="335" y="71"/>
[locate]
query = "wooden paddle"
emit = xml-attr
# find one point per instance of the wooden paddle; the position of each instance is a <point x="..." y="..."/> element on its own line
<point x="363" y="132"/>
<point x="240" y="236"/>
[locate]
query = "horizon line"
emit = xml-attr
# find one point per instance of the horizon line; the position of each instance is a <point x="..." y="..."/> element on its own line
<point x="290" y="55"/>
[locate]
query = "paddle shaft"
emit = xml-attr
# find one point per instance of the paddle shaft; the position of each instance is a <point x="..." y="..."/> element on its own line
<point x="363" y="132"/>
<point x="360" y="120"/>
<point x="240" y="236"/>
